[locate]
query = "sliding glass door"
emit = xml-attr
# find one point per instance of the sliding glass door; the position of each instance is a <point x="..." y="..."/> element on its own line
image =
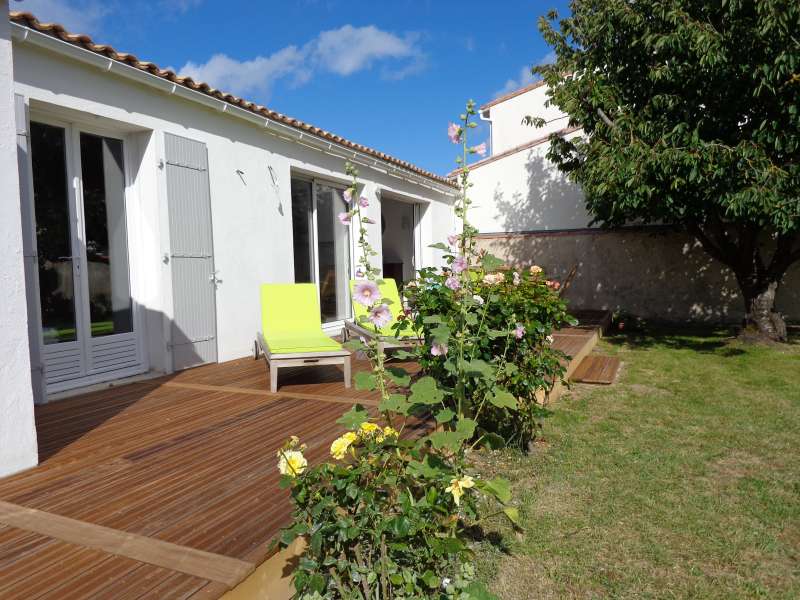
<point x="86" y="310"/>
<point x="322" y="245"/>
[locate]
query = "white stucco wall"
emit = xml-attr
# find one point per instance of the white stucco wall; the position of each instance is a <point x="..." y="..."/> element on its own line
<point x="525" y="192"/>
<point x="17" y="428"/>
<point x="251" y="216"/>
<point x="506" y="117"/>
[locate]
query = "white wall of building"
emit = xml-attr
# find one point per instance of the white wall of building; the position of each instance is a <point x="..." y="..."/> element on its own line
<point x="251" y="213"/>
<point x="17" y="428"/>
<point x="506" y="117"/>
<point x="524" y="191"/>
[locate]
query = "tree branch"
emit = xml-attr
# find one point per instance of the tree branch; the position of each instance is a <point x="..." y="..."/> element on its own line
<point x="605" y="118"/>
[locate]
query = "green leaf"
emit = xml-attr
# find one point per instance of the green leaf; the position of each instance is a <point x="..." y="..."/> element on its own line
<point x="445" y="415"/>
<point x="353" y="417"/>
<point x="498" y="487"/>
<point x="400" y="526"/>
<point x="398" y="376"/>
<point x="466" y="428"/>
<point x="503" y="399"/>
<point x="447" y="440"/>
<point x="430" y="467"/>
<point x="512" y="514"/>
<point x="425" y="391"/>
<point x="493" y="441"/>
<point x="478" y="367"/>
<point x="432" y="319"/>
<point x="355" y="345"/>
<point x="440" y="246"/>
<point x="365" y="381"/>
<point x="491" y="262"/>
<point x="396" y="403"/>
<point x="431" y="579"/>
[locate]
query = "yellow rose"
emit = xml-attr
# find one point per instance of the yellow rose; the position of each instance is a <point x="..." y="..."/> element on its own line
<point x="390" y="432"/>
<point x="368" y="428"/>
<point x="292" y="463"/>
<point x="457" y="487"/>
<point x="342" y="444"/>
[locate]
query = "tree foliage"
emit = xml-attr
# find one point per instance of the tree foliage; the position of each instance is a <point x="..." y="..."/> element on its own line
<point x="691" y="115"/>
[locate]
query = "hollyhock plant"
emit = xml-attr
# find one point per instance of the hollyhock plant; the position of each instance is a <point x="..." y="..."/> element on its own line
<point x="459" y="265"/>
<point x="480" y="149"/>
<point x="348" y="195"/>
<point x="366" y="292"/>
<point x="452" y="239"/>
<point x="438" y="349"/>
<point x="380" y="315"/>
<point x="454" y="133"/>
<point x="344" y="218"/>
<point x="363" y="202"/>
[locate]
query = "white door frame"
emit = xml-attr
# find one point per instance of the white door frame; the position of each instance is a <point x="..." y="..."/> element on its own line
<point x="90" y="375"/>
<point x="314" y="239"/>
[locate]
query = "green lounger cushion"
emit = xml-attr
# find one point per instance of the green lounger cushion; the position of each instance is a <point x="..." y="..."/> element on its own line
<point x="290" y="319"/>
<point x="388" y="289"/>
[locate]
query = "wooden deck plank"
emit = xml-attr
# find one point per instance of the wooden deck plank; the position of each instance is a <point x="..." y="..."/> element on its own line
<point x="597" y="369"/>
<point x="152" y="551"/>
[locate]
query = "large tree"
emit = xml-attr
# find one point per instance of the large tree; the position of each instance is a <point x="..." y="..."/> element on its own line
<point x="691" y="117"/>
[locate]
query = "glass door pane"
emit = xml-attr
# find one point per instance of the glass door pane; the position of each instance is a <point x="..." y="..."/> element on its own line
<point x="106" y="237"/>
<point x="302" y="231"/>
<point x="333" y="251"/>
<point x="53" y="233"/>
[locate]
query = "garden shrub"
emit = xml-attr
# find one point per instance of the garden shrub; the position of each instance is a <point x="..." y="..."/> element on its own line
<point x="509" y="328"/>
<point x="387" y="516"/>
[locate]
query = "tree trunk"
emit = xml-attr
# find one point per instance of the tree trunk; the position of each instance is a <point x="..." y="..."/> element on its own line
<point x="759" y="306"/>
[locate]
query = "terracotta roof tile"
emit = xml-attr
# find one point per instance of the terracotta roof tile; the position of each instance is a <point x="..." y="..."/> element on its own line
<point x="54" y="29"/>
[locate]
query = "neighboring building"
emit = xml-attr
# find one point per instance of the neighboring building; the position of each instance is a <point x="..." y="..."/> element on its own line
<point x="527" y="213"/>
<point x="153" y="207"/>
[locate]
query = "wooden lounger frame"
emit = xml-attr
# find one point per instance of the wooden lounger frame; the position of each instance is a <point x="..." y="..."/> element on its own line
<point x="277" y="361"/>
<point x="384" y="342"/>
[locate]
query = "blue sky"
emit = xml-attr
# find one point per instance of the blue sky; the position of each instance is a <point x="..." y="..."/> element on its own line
<point x="388" y="74"/>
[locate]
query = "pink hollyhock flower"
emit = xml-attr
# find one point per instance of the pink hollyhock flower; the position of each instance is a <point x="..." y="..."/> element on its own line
<point x="359" y="273"/>
<point x="348" y="195"/>
<point x="438" y="349"/>
<point x="479" y="149"/>
<point x="363" y="202"/>
<point x="459" y="264"/>
<point x="454" y="133"/>
<point x="344" y="218"/>
<point x="452" y="239"/>
<point x="380" y="315"/>
<point x="366" y="293"/>
<point x="519" y="331"/>
<point x="452" y="282"/>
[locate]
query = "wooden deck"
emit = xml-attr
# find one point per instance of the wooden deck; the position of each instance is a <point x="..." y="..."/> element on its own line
<point x="167" y="488"/>
<point x="161" y="489"/>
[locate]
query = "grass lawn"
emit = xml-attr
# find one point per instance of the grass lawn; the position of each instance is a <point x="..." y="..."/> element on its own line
<point x="682" y="480"/>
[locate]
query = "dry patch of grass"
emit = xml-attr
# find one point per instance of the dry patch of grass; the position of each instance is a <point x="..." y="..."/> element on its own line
<point x="680" y="481"/>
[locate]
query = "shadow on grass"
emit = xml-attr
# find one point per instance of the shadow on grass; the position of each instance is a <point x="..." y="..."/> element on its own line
<point x="704" y="340"/>
<point x="719" y="340"/>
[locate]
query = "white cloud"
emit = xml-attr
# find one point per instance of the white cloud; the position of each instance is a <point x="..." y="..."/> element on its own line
<point x="77" y="17"/>
<point x="342" y="51"/>
<point x="525" y="76"/>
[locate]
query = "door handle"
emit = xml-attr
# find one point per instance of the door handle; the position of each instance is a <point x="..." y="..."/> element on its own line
<point x="214" y="279"/>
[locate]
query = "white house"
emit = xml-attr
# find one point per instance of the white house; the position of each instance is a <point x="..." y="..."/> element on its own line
<point x="151" y="207"/>
<point x="528" y="212"/>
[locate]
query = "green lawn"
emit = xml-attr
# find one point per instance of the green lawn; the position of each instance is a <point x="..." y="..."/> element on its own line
<point x="682" y="480"/>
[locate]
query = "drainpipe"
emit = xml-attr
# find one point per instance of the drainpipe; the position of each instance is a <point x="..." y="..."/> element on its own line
<point x="484" y="116"/>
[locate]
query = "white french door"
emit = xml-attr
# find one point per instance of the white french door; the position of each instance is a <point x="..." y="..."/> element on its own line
<point x="87" y="320"/>
<point x="322" y="245"/>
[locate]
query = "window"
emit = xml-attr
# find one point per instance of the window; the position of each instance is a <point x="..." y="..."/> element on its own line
<point x="322" y="245"/>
